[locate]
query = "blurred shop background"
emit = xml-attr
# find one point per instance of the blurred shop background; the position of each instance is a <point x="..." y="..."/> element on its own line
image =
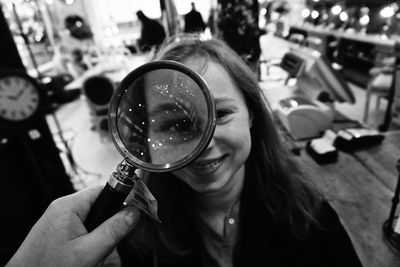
<point x="70" y="47"/>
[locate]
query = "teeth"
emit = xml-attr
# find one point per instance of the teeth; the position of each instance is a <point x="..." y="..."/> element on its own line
<point x="210" y="165"/>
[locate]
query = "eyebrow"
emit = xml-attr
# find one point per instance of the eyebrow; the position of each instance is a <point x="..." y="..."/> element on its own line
<point x="162" y="108"/>
<point x="172" y="106"/>
<point x="223" y="100"/>
<point x="169" y="107"/>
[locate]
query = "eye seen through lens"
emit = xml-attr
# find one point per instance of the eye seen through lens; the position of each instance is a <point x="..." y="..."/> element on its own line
<point x="162" y="116"/>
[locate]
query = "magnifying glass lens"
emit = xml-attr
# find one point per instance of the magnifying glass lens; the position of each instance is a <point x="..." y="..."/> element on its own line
<point x="162" y="116"/>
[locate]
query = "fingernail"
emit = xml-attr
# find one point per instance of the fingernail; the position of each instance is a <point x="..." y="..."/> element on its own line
<point x="131" y="215"/>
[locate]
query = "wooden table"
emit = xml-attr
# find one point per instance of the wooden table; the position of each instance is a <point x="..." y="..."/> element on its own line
<point x="360" y="187"/>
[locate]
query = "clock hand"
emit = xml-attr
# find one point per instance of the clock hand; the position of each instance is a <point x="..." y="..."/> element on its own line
<point x="19" y="94"/>
<point x="11" y="97"/>
<point x="15" y="97"/>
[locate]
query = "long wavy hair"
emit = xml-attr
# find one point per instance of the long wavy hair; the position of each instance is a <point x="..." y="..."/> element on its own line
<point x="275" y="178"/>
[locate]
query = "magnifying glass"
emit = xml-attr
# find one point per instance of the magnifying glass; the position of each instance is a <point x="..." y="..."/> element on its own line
<point x="162" y="116"/>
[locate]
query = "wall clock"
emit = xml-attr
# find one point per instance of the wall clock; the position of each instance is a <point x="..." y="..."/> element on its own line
<point x="20" y="96"/>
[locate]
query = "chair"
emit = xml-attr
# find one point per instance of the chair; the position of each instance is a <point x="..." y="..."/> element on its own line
<point x="293" y="65"/>
<point x="98" y="91"/>
<point x="379" y="84"/>
<point x="268" y="63"/>
<point x="56" y="95"/>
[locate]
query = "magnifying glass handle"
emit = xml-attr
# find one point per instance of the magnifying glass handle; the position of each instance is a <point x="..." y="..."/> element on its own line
<point x="111" y="197"/>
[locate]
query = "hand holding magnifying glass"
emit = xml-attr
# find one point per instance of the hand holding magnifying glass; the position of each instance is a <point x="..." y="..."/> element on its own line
<point x="161" y="118"/>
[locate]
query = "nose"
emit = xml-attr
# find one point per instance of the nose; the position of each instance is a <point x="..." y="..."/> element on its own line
<point x="208" y="149"/>
<point x="211" y="144"/>
<point x="213" y="139"/>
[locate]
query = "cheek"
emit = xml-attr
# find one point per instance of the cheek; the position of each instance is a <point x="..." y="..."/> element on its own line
<point x="239" y="138"/>
<point x="244" y="141"/>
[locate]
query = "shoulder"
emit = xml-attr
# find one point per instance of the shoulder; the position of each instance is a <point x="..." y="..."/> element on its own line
<point x="328" y="219"/>
<point x="330" y="239"/>
<point x="328" y="225"/>
<point x="325" y="244"/>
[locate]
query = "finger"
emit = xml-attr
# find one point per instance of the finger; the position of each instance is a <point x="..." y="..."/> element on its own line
<point x="81" y="201"/>
<point x="102" y="240"/>
<point x="86" y="195"/>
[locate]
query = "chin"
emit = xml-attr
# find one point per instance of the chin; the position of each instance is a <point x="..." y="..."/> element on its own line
<point x="207" y="187"/>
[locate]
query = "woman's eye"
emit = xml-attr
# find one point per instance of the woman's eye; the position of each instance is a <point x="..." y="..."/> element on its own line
<point x="221" y="114"/>
<point x="182" y="126"/>
<point x="178" y="126"/>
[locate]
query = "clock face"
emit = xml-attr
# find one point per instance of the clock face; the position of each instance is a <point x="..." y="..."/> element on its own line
<point x="19" y="98"/>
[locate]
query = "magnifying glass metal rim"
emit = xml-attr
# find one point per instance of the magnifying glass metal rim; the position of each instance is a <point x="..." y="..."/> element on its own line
<point x="127" y="81"/>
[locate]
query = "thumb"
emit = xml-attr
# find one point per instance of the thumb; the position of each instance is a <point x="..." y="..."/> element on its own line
<point x="102" y="240"/>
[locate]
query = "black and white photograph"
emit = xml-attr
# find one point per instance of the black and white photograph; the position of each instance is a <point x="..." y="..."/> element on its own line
<point x="201" y="133"/>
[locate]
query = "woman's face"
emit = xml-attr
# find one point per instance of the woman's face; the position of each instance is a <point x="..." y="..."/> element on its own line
<point x="221" y="165"/>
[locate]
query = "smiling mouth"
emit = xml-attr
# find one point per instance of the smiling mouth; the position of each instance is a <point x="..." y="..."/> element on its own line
<point x="207" y="165"/>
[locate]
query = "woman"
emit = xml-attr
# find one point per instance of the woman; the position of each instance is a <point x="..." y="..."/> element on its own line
<point x="244" y="201"/>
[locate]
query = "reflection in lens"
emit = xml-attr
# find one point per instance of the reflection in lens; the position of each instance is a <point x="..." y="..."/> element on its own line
<point x="162" y="116"/>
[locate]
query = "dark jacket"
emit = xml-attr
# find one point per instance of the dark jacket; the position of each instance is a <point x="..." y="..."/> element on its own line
<point x="265" y="243"/>
<point x="194" y="22"/>
<point x="152" y="34"/>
